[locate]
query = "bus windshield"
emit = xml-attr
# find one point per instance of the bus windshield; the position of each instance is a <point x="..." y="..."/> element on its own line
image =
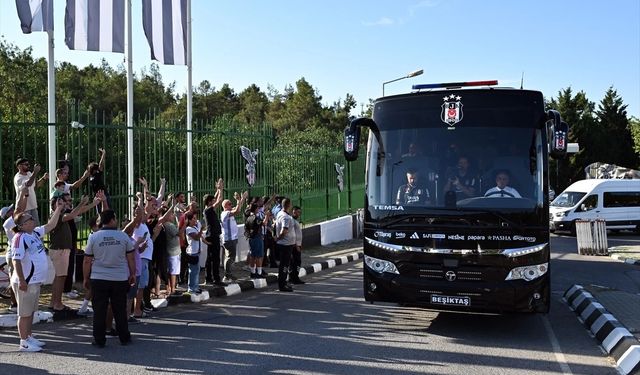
<point x="465" y="168"/>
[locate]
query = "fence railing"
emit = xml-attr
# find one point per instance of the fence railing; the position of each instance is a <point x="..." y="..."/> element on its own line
<point x="308" y="178"/>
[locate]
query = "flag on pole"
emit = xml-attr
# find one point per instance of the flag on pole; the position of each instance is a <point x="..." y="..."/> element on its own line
<point x="35" y="15"/>
<point x="94" y="25"/>
<point x="165" y="26"/>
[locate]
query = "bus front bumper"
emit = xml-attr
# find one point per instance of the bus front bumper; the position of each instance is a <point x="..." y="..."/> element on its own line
<point x="456" y="295"/>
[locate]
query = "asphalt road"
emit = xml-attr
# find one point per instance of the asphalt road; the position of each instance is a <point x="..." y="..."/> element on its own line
<point x="325" y="327"/>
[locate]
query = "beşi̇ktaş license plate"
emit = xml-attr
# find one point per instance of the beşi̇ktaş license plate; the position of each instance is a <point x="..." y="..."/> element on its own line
<point x="450" y="300"/>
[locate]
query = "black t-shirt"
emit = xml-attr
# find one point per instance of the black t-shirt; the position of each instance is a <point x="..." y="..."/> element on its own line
<point x="96" y="182"/>
<point x="213" y="222"/>
<point x="469" y="180"/>
<point x="412" y="195"/>
<point x="252" y="226"/>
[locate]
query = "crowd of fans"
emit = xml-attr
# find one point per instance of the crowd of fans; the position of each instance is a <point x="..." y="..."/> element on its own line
<point x="159" y="253"/>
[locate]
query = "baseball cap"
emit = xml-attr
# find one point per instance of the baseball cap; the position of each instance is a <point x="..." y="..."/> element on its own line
<point x="5" y="210"/>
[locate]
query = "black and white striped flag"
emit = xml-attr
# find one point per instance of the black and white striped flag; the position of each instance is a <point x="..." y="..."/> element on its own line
<point x="35" y="15"/>
<point x="94" y="25"/>
<point x="165" y="26"/>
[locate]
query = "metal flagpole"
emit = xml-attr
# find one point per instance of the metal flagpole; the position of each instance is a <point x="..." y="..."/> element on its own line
<point x="128" y="57"/>
<point x="189" y="106"/>
<point x="51" y="117"/>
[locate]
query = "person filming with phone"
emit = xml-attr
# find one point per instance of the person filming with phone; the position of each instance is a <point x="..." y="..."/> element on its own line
<point x="461" y="180"/>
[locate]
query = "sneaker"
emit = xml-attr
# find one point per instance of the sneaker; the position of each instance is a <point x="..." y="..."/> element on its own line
<point x="227" y="280"/>
<point x="149" y="309"/>
<point x="261" y="276"/>
<point x="85" y="312"/>
<point x="72" y="294"/>
<point x="35" y="341"/>
<point x="25" y="346"/>
<point x="286" y="288"/>
<point x="254" y="275"/>
<point x="132" y="320"/>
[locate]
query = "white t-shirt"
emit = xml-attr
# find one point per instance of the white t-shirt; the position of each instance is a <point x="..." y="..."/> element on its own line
<point x="229" y="226"/>
<point x="18" y="182"/>
<point x="193" y="246"/>
<point x="30" y="251"/>
<point x="8" y="226"/>
<point x="496" y="192"/>
<point x="284" y="220"/>
<point x="140" y="232"/>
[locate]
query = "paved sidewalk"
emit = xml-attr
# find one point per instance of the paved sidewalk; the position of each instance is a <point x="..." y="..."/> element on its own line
<point x="613" y="316"/>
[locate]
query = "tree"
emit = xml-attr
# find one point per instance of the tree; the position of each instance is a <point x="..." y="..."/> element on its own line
<point x="578" y="112"/>
<point x="23" y="84"/>
<point x="634" y="127"/>
<point x="617" y="140"/>
<point x="253" y="105"/>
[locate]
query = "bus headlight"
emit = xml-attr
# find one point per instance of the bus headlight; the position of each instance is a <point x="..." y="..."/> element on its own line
<point x="379" y="265"/>
<point x="528" y="273"/>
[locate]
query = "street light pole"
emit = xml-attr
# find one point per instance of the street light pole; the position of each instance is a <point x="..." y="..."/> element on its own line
<point x="415" y="73"/>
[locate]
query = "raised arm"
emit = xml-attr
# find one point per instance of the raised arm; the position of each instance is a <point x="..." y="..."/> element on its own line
<point x="78" y="183"/>
<point x="53" y="220"/>
<point x="102" y="156"/>
<point x="219" y="193"/>
<point x="161" y="191"/>
<point x="32" y="179"/>
<point x="239" y="202"/>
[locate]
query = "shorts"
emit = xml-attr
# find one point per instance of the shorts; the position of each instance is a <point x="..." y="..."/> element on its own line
<point x="256" y="247"/>
<point x="174" y="264"/>
<point x="60" y="260"/>
<point x="27" y="301"/>
<point x="144" y="274"/>
<point x="133" y="289"/>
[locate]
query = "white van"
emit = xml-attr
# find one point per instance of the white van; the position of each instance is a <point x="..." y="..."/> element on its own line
<point x="616" y="201"/>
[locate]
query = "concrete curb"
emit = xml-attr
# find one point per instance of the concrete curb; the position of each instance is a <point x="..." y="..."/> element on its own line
<point x="613" y="336"/>
<point x="622" y="258"/>
<point x="626" y="260"/>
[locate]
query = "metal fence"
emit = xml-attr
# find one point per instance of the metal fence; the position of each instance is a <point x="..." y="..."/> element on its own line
<point x="308" y="178"/>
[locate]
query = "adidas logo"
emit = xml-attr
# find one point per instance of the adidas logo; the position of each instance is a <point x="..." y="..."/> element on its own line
<point x="414" y="236"/>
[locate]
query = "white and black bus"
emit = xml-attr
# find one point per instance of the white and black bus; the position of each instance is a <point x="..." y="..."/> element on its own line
<point x="457" y="207"/>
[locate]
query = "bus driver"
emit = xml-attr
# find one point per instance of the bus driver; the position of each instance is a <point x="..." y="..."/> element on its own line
<point x="502" y="189"/>
<point x="412" y="193"/>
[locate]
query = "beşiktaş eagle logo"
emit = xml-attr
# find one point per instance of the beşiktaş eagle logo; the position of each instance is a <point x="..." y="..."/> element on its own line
<point x="451" y="110"/>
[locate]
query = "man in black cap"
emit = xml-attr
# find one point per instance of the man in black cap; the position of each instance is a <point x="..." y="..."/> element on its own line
<point x="26" y="178"/>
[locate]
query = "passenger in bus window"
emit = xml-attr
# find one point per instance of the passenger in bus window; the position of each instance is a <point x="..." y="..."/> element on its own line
<point x="412" y="193"/>
<point x="461" y="180"/>
<point x="502" y="188"/>
<point x="412" y="152"/>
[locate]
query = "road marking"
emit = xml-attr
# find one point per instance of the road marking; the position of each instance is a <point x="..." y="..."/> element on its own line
<point x="557" y="351"/>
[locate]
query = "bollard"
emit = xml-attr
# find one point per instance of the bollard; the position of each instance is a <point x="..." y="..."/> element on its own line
<point x="592" y="237"/>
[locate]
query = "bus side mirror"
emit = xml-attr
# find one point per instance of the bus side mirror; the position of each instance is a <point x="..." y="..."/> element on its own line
<point x="351" y="141"/>
<point x="558" y="134"/>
